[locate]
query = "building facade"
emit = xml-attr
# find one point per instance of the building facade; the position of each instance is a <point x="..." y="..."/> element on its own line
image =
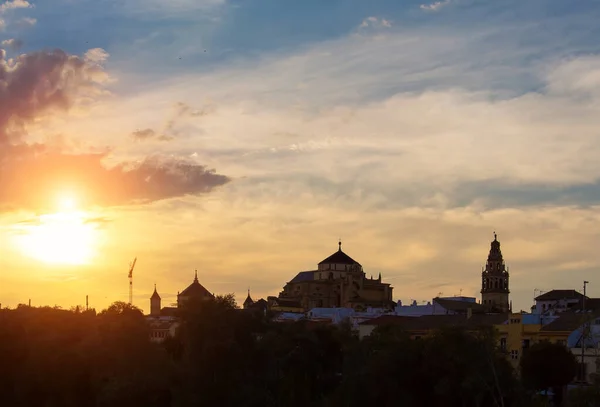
<point x="557" y="301"/>
<point x="338" y="281"/>
<point x="495" y="281"/>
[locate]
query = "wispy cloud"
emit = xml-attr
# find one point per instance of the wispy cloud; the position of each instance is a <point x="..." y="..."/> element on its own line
<point x="438" y="5"/>
<point x="13" y="44"/>
<point x="53" y="82"/>
<point x="375" y="23"/>
<point x="26" y="22"/>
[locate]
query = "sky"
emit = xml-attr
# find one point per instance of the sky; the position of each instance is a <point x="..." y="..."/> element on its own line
<point x="243" y="138"/>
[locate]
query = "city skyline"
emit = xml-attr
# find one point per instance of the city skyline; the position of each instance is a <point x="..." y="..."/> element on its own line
<point x="242" y="139"/>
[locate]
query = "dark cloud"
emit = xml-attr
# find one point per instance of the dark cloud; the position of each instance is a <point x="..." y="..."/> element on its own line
<point x="37" y="83"/>
<point x="31" y="175"/>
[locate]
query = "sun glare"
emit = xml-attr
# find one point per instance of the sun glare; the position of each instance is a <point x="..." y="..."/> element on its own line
<point x="67" y="204"/>
<point x="64" y="237"/>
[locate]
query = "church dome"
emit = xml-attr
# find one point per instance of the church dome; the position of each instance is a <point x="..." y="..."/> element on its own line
<point x="195" y="290"/>
<point x="340" y="257"/>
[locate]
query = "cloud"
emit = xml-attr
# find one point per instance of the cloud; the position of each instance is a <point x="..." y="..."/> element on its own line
<point x="13" y="44"/>
<point x="96" y="55"/>
<point x="26" y="22"/>
<point x="177" y="124"/>
<point x="14" y="4"/>
<point x="375" y="23"/>
<point x="36" y="174"/>
<point x="39" y="83"/>
<point x="148" y="134"/>
<point x="2" y="24"/>
<point x="434" y="6"/>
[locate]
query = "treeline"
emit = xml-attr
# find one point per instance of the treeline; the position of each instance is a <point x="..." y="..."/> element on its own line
<point x="223" y="356"/>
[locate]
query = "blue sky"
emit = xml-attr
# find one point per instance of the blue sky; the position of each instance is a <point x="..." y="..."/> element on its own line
<point x="397" y="125"/>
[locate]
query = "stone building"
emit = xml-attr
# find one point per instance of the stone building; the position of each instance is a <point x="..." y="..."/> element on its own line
<point x="494" y="281"/>
<point x="338" y="281"/>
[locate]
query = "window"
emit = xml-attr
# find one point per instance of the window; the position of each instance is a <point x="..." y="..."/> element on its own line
<point x="503" y="344"/>
<point x="526" y="343"/>
<point x="514" y="354"/>
<point x="561" y="342"/>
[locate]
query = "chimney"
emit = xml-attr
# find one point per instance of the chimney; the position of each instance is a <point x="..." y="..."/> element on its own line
<point x="469" y="312"/>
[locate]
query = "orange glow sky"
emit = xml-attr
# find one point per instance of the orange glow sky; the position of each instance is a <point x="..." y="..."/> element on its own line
<point x="194" y="140"/>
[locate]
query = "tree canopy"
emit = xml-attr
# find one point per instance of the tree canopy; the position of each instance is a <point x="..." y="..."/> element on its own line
<point x="224" y="356"/>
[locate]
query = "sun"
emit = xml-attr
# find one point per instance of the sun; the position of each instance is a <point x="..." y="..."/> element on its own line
<point x="66" y="203"/>
<point x="65" y="237"/>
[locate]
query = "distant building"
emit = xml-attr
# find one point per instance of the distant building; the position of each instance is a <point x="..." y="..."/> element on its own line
<point x="558" y="301"/>
<point x="163" y="321"/>
<point x="494" y="281"/>
<point x="339" y="281"/>
<point x="258" y="306"/>
<point x="440" y="306"/>
<point x="425" y="325"/>
<point x="194" y="290"/>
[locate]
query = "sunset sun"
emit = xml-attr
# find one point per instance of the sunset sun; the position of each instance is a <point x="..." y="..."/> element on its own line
<point x="63" y="237"/>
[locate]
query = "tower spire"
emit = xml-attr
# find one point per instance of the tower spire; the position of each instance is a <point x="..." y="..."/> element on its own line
<point x="196" y="276"/>
<point x="340" y="245"/>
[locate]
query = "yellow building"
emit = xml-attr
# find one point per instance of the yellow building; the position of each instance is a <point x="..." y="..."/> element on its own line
<point x="521" y="330"/>
<point x="339" y="281"/>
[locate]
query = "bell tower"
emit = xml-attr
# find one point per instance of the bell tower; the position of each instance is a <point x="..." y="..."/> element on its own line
<point x="494" y="280"/>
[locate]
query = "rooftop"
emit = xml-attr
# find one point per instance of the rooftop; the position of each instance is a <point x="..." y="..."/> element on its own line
<point x="432" y="322"/>
<point x="195" y="289"/>
<point x="556" y="295"/>
<point x="339" y="257"/>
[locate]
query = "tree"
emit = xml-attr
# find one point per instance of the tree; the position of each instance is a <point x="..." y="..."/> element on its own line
<point x="546" y="366"/>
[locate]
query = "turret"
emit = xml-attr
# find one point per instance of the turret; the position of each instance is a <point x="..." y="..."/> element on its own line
<point x="155" y="303"/>
<point x="249" y="302"/>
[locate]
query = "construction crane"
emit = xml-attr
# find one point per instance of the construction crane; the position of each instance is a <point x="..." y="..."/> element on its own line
<point x="131" y="266"/>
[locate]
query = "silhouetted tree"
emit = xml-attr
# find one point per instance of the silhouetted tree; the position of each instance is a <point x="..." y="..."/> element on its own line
<point x="546" y="366"/>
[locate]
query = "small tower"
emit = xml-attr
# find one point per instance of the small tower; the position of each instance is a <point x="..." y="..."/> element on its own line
<point x="155" y="303"/>
<point x="494" y="280"/>
<point x="249" y="301"/>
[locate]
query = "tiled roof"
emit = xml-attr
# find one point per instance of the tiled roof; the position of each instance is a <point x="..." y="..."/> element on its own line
<point x="590" y="304"/>
<point x="566" y="322"/>
<point x="556" y="295"/>
<point x="459" y="306"/>
<point x="303" y="276"/>
<point x="284" y="302"/>
<point x="168" y="312"/>
<point x="195" y="290"/>
<point x="339" y="257"/>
